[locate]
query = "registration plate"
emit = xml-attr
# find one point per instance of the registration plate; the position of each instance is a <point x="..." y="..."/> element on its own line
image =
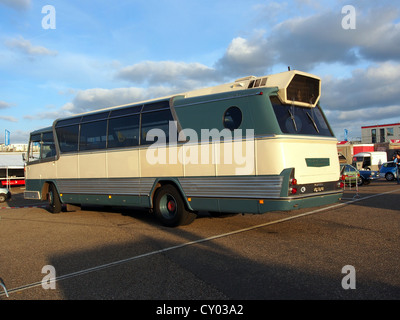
<point x="319" y="189"/>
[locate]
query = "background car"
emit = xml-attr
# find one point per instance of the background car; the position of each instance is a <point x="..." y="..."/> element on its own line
<point x="5" y="194"/>
<point x="388" y="171"/>
<point x="368" y="175"/>
<point x="351" y="175"/>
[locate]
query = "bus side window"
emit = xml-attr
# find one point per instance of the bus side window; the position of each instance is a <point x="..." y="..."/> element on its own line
<point x="48" y="149"/>
<point x="155" y="120"/>
<point x="34" y="148"/>
<point x="93" y="135"/>
<point x="68" y="138"/>
<point x="123" y="131"/>
<point x="232" y="118"/>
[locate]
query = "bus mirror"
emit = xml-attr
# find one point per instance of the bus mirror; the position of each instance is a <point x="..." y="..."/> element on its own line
<point x="24" y="157"/>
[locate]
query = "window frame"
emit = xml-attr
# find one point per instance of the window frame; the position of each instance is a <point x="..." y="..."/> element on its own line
<point x="77" y="126"/>
<point x="39" y="139"/>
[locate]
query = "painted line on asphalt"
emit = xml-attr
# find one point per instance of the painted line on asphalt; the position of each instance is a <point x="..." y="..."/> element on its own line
<point x="186" y="244"/>
<point x="23" y="207"/>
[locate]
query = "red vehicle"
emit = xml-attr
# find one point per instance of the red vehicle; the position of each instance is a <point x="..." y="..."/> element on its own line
<point x="12" y="176"/>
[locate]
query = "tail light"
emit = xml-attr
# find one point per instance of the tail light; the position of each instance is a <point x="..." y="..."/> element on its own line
<point x="292" y="184"/>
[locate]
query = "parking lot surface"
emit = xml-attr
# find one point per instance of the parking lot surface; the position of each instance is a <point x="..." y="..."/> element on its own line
<point x="345" y="251"/>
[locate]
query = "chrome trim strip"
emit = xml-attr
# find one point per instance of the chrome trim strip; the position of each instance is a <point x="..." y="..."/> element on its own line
<point x="104" y="186"/>
<point x="314" y="194"/>
<point x="233" y="187"/>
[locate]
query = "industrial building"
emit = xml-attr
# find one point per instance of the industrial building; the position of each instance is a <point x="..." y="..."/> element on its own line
<point x="383" y="133"/>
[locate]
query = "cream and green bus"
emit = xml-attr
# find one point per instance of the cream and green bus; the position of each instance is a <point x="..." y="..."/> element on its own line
<point x="255" y="145"/>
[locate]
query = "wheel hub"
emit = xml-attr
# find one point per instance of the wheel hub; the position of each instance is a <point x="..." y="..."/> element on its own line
<point x="171" y="205"/>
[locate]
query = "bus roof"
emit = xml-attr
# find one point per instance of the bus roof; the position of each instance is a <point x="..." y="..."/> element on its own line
<point x="47" y="129"/>
<point x="294" y="87"/>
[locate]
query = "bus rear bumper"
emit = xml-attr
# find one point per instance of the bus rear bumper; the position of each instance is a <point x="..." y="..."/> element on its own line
<point x="299" y="203"/>
<point x="260" y="206"/>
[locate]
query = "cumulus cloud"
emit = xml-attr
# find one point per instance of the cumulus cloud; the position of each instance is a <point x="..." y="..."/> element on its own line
<point x="26" y="47"/>
<point x="17" y="4"/>
<point x="97" y="98"/>
<point x="4" y="105"/>
<point x="306" y="42"/>
<point x="368" y="97"/>
<point x="177" y="74"/>
<point x="246" y="56"/>
<point x="366" y="88"/>
<point x="378" y="34"/>
<point x="9" y="118"/>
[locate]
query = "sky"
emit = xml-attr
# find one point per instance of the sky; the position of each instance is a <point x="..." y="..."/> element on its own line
<point x="77" y="56"/>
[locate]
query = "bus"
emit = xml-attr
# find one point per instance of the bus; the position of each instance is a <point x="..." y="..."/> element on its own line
<point x="255" y="145"/>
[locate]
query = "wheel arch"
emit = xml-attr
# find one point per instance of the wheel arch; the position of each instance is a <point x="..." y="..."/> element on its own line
<point x="169" y="181"/>
<point x="46" y="188"/>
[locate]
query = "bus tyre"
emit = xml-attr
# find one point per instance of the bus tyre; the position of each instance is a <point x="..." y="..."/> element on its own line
<point x="170" y="209"/>
<point x="54" y="200"/>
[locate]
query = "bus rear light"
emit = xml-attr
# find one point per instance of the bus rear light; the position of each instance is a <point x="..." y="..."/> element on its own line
<point x="292" y="190"/>
<point x="293" y="182"/>
<point x="343" y="177"/>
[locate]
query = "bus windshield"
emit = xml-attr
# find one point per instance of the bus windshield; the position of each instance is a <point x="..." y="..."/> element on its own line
<point x="300" y="120"/>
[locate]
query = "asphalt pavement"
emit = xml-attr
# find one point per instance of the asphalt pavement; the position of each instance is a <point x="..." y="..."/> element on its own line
<point x="347" y="251"/>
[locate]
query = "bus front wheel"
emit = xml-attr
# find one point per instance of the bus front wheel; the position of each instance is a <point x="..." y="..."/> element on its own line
<point x="169" y="207"/>
<point x="54" y="200"/>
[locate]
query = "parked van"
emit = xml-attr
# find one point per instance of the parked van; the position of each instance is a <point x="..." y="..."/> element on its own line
<point x="369" y="160"/>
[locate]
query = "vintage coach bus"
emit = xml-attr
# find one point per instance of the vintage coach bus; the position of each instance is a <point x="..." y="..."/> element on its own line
<point x="258" y="144"/>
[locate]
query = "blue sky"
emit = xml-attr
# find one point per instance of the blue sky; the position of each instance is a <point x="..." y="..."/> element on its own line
<point x="103" y="53"/>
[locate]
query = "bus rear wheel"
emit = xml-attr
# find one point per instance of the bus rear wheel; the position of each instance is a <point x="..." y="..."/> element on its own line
<point x="53" y="198"/>
<point x="170" y="209"/>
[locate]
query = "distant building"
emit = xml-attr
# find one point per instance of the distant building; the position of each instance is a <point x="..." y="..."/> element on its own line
<point x="383" y="137"/>
<point x="381" y="133"/>
<point x="14" y="147"/>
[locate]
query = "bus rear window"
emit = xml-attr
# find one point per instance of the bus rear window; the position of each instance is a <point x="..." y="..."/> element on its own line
<point x="300" y="120"/>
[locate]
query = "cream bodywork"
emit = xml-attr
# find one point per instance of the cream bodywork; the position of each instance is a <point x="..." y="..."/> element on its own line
<point x="262" y="156"/>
